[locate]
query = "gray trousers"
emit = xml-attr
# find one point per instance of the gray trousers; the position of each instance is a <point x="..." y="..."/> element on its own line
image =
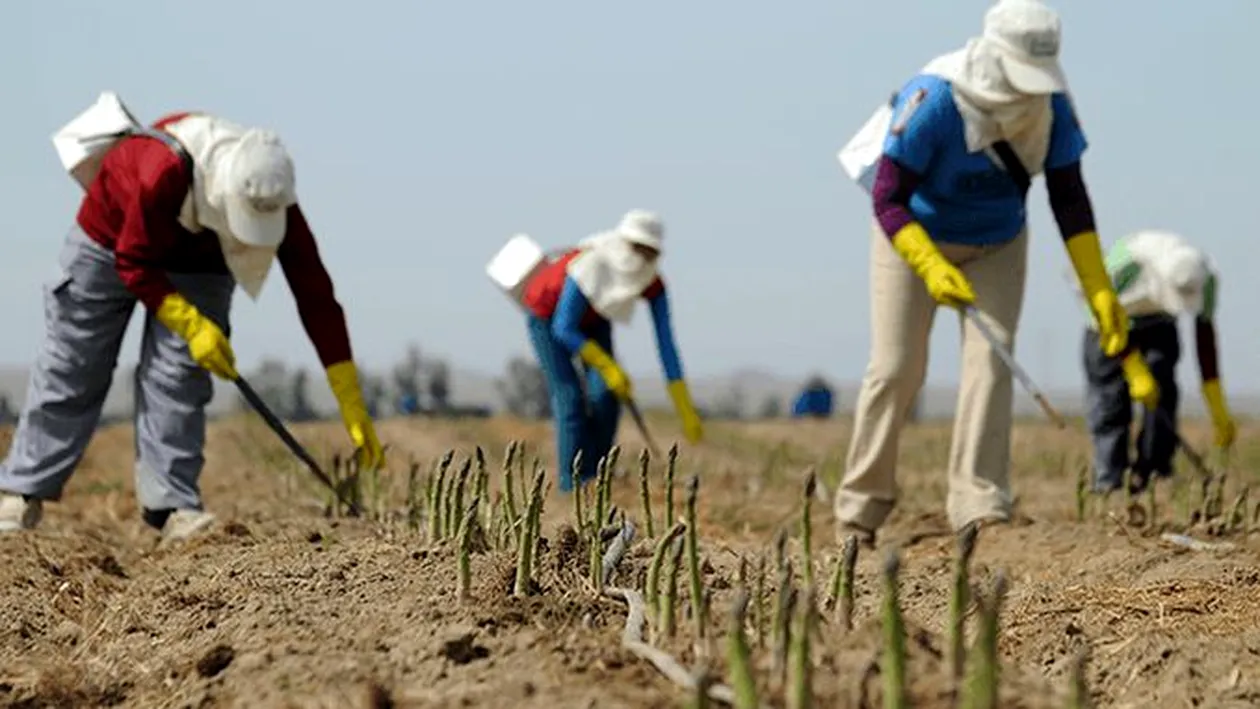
<point x="86" y="312"/>
<point x="1109" y="410"/>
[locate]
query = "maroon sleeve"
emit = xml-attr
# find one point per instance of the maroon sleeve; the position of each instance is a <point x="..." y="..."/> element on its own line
<point x="317" y="305"/>
<point x="1069" y="200"/>
<point x="894" y="183"/>
<point x="654" y="289"/>
<point x="1205" y="348"/>
<point x="151" y="223"/>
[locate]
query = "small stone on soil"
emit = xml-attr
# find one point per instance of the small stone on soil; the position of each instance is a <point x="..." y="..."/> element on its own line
<point x="215" y="661"/>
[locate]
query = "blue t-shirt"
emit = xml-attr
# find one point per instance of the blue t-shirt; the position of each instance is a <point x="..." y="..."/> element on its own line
<point x="967" y="198"/>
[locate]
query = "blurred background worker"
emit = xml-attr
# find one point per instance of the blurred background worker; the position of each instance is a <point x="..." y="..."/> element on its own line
<point x="816" y="400"/>
<point x="1158" y="276"/>
<point x="949" y="195"/>
<point x="572" y="303"/>
<point x="174" y="217"/>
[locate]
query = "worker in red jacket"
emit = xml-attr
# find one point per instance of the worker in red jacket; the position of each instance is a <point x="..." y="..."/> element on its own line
<point x="174" y="217"/>
<point x="572" y="303"/>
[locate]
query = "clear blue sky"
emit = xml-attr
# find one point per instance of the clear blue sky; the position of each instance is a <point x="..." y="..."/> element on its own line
<point x="426" y="133"/>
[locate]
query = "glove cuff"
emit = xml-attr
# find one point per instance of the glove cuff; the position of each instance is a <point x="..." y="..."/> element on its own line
<point x="1214" y="397"/>
<point x="680" y="395"/>
<point x="594" y="355"/>
<point x="178" y="315"/>
<point x="343" y="379"/>
<point x="916" y="248"/>
<point x="1085" y="251"/>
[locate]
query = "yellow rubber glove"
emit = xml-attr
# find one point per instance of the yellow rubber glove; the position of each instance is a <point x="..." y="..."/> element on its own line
<point x="946" y="284"/>
<point x="207" y="344"/>
<point x="692" y="427"/>
<point x="343" y="378"/>
<point x="614" y="376"/>
<point x="1113" y="324"/>
<point x="1222" y="422"/>
<point x="1142" y="386"/>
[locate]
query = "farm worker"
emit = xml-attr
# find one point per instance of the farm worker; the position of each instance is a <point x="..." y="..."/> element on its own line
<point x="950" y="229"/>
<point x="175" y="218"/>
<point x="1158" y="276"/>
<point x="572" y="303"/>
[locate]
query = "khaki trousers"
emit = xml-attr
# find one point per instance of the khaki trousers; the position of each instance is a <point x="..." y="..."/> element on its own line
<point x="902" y="313"/>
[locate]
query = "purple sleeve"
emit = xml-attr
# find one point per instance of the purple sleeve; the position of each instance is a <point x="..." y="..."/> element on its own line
<point x="894" y="184"/>
<point x="1069" y="200"/>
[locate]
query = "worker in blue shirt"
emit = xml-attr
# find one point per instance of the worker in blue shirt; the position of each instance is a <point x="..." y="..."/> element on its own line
<point x="963" y="141"/>
<point x="572" y="303"/>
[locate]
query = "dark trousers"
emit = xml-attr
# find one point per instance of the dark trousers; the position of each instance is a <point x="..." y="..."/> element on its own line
<point x="1110" y="410"/>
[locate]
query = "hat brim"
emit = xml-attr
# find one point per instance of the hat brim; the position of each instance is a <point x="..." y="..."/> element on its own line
<point x="642" y="238"/>
<point x="255" y="228"/>
<point x="1031" y="76"/>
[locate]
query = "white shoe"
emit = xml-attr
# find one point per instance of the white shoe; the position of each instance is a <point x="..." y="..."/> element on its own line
<point x="183" y="524"/>
<point x="18" y="512"/>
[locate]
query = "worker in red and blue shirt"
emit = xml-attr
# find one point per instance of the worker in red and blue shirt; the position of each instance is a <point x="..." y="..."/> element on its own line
<point x="572" y="303"/>
<point x="174" y="218"/>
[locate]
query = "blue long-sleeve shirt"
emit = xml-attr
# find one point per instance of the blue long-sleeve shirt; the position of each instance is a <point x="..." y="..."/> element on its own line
<point x="573" y="306"/>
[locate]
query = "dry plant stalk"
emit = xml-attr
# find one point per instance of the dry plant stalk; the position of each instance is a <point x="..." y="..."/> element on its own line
<point x="510" y="510"/>
<point x="438" y="498"/>
<point x="483" y="487"/>
<point x="465" y="550"/>
<point x="663" y="545"/>
<point x="982" y="687"/>
<point x="843" y="585"/>
<point x="780" y="630"/>
<point x="693" y="557"/>
<point x="738" y="656"/>
<point x="457" y="501"/>
<point x="672" y="461"/>
<point x="811" y="484"/>
<point x="959" y="599"/>
<point x="700" y="693"/>
<point x="893" y="666"/>
<point x="1126" y="487"/>
<point x="525" y="552"/>
<point x="1238" y="512"/>
<point x="759" y="602"/>
<point x="1082" y="491"/>
<point x="1078" y="690"/>
<point x="598" y="507"/>
<point x="669" y="602"/>
<point x="413" y="496"/>
<point x="800" y="665"/>
<point x="645" y="495"/>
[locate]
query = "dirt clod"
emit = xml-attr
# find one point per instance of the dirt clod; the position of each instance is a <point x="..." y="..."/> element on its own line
<point x="379" y="697"/>
<point x="462" y="650"/>
<point x="215" y="660"/>
<point x="109" y="565"/>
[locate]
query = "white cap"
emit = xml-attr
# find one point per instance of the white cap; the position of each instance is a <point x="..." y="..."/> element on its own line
<point x="1187" y="272"/>
<point x="1028" y="33"/>
<point x="260" y="187"/>
<point x="642" y="227"/>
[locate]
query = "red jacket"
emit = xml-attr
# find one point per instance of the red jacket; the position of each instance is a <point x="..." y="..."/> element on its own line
<point x="542" y="293"/>
<point x="132" y="209"/>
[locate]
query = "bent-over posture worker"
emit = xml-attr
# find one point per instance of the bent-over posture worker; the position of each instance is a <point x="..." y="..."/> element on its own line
<point x="1158" y="276"/>
<point x="174" y="219"/>
<point x="572" y="303"/>
<point x="950" y="229"/>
